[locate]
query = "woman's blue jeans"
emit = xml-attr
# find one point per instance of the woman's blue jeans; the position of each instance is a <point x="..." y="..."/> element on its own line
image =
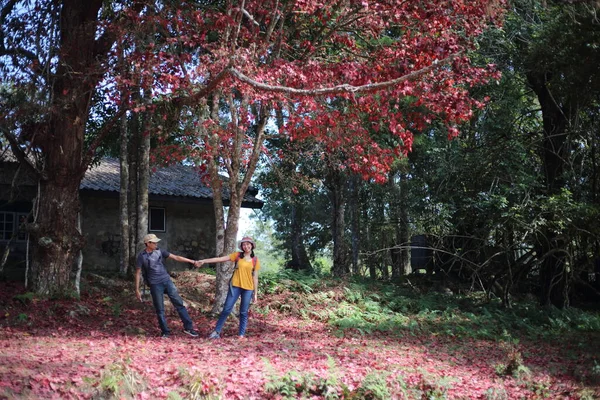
<point x="157" y="291"/>
<point x="232" y="296"/>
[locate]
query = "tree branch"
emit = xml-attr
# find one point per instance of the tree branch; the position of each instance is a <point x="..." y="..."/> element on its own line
<point x="344" y="88"/>
<point x="89" y="155"/>
<point x="250" y="17"/>
<point x="205" y="91"/>
<point x="19" y="153"/>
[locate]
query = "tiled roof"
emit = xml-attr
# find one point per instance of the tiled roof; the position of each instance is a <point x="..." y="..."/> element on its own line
<point x="175" y="180"/>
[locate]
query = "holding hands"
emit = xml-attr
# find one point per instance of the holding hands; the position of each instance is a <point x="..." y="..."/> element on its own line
<point x="198" y="263"/>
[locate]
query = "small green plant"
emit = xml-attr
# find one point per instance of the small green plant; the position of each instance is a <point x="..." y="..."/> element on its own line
<point x="22" y="317"/>
<point x="372" y="387"/>
<point x="199" y="386"/>
<point x="514" y="365"/>
<point x="496" y="394"/>
<point x="540" y="389"/>
<point x="294" y="384"/>
<point x="587" y="394"/>
<point x="288" y="386"/>
<point x="403" y="386"/>
<point x="204" y="387"/>
<point x="432" y="390"/>
<point x="264" y="311"/>
<point x="79" y="309"/>
<point x="119" y="380"/>
<point x="25" y="298"/>
<point x="116" y="309"/>
<point x="353" y="295"/>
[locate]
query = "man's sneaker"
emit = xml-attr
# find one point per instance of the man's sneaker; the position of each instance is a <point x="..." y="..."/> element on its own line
<point x="165" y="335"/>
<point x="214" y="335"/>
<point x="191" y="332"/>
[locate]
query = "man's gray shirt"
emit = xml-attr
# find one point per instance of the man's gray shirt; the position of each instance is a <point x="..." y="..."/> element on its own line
<point x="152" y="263"/>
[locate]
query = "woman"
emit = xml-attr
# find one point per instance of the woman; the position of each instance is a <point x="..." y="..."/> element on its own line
<point x="244" y="284"/>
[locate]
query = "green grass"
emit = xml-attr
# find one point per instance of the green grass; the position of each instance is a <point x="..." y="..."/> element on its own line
<point x="365" y="307"/>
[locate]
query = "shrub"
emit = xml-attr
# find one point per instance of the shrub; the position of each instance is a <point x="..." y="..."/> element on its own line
<point x="25" y="298"/>
<point x="118" y="380"/>
<point x="294" y="384"/>
<point x="197" y="386"/>
<point x="372" y="387"/>
<point x="514" y="365"/>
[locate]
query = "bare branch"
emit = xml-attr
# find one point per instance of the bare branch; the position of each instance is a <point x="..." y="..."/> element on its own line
<point x="205" y="91"/>
<point x="344" y="88"/>
<point x="18" y="151"/>
<point x="250" y="17"/>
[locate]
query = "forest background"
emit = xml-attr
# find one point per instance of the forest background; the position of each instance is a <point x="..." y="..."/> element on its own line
<point x="471" y="125"/>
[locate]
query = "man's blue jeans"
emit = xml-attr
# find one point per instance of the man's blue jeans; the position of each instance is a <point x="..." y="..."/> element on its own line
<point x="232" y="296"/>
<point x="157" y="291"/>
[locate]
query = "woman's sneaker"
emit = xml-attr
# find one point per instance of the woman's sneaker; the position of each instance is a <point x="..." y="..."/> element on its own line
<point x="214" y="335"/>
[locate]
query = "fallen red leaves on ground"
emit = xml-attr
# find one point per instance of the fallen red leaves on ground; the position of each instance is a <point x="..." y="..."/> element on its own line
<point x="69" y="349"/>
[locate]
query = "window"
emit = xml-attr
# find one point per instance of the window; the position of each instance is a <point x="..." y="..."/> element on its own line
<point x="157" y="221"/>
<point x="21" y="232"/>
<point x="7" y="225"/>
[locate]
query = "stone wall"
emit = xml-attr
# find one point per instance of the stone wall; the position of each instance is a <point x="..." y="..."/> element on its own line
<point x="190" y="231"/>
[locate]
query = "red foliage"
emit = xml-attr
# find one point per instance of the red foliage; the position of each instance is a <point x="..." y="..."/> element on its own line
<point x="303" y="57"/>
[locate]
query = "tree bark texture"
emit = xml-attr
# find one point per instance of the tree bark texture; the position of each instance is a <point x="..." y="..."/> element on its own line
<point x="551" y="247"/>
<point x="79" y="262"/>
<point x="55" y="238"/>
<point x="124" y="199"/>
<point x="300" y="260"/>
<point x="400" y="253"/>
<point x="355" y="223"/>
<point x="132" y="195"/>
<point x="337" y="192"/>
<point x="143" y="181"/>
<point x="223" y="270"/>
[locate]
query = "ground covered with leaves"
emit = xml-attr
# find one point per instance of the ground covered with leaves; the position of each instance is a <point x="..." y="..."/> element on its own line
<point x="308" y="337"/>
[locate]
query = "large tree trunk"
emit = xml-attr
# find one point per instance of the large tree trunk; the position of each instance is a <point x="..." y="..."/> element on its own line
<point x="143" y="180"/>
<point x="400" y="252"/>
<point x="132" y="197"/>
<point x="370" y="259"/>
<point x="79" y="262"/>
<point x="124" y="199"/>
<point x="238" y="183"/>
<point x="355" y="223"/>
<point x="55" y="238"/>
<point x="223" y="270"/>
<point x="299" y="259"/>
<point x="337" y="191"/>
<point x="551" y="248"/>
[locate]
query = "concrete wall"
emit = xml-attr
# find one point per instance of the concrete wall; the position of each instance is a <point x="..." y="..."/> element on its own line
<point x="190" y="231"/>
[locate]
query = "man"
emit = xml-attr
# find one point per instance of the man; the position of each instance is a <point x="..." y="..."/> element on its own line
<point x="150" y="263"/>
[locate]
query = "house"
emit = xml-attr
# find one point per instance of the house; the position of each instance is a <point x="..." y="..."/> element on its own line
<point x="180" y="212"/>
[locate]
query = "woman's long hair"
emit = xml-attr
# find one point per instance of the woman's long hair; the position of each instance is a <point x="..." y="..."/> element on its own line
<point x="251" y="254"/>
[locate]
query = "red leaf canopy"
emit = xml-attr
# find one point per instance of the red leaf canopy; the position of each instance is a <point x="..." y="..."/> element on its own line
<point x="357" y="77"/>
